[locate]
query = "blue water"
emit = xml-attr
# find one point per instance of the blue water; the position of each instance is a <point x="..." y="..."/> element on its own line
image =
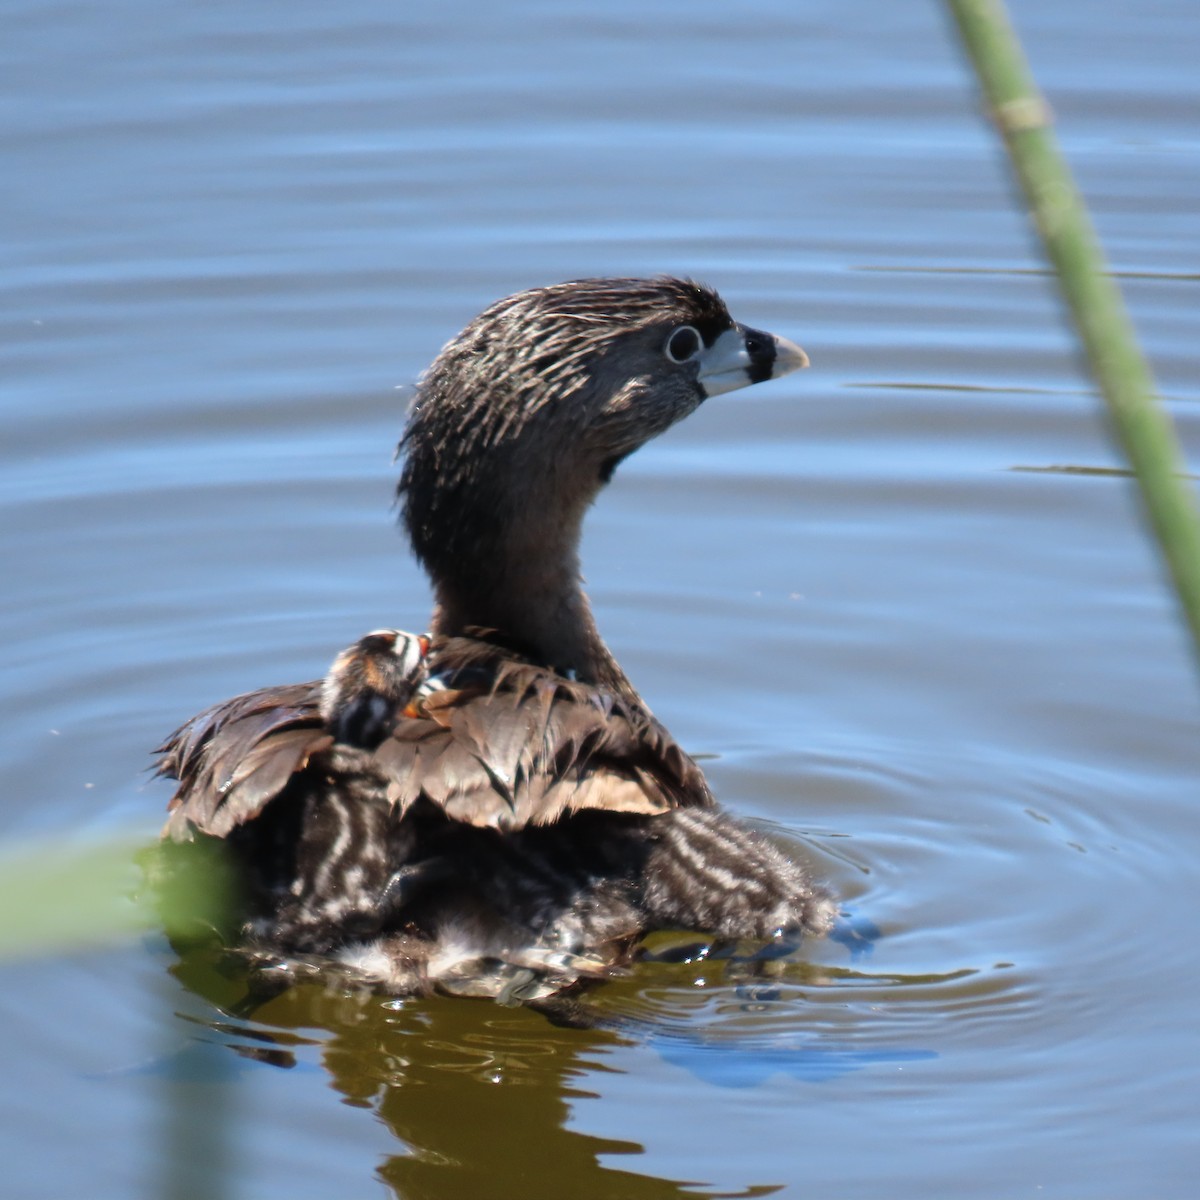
<point x="909" y="636"/>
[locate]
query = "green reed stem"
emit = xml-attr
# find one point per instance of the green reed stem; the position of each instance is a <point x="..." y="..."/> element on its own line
<point x="57" y="898"/>
<point x="1143" y="428"/>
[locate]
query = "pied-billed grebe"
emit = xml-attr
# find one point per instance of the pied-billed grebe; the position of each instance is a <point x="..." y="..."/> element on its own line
<point x="492" y="809"/>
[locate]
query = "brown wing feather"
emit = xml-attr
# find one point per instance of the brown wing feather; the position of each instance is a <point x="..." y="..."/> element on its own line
<point x="235" y="757"/>
<point x="523" y="747"/>
<point x="533" y="747"/>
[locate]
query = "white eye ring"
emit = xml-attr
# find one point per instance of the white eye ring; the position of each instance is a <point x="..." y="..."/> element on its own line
<point x="683" y="343"/>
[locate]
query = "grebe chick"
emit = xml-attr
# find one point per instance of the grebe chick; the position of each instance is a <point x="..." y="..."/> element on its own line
<point x="495" y="810"/>
<point x="370" y="684"/>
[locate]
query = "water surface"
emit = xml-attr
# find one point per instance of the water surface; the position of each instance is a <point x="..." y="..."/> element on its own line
<point x="902" y="603"/>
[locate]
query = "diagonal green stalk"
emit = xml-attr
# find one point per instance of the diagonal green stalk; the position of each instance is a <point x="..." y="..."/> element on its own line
<point x="1143" y="428"/>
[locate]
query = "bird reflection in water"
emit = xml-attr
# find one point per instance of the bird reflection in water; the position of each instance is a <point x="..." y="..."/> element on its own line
<point x="475" y="1093"/>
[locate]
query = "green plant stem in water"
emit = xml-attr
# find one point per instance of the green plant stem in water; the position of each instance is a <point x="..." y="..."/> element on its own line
<point x="56" y="898"/>
<point x="1144" y="430"/>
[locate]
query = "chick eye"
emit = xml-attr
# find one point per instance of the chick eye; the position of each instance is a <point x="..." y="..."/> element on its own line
<point x="683" y="343"/>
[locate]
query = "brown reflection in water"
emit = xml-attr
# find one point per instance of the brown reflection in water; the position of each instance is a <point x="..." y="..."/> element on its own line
<point x="477" y="1095"/>
<point x="1070" y="469"/>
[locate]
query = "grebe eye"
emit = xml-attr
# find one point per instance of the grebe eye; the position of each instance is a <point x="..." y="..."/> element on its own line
<point x="683" y="343"/>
